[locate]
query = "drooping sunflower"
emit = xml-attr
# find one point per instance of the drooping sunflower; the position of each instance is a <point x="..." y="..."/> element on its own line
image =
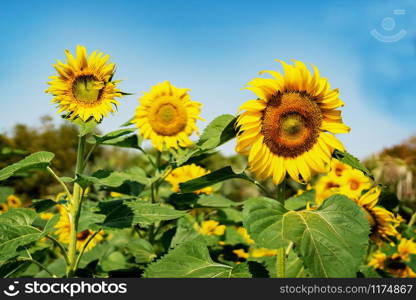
<point x="63" y="231"/>
<point x="83" y="86"/>
<point x="382" y="222"/>
<point x="290" y="127"/>
<point x="167" y="116"/>
<point x="186" y="173"/>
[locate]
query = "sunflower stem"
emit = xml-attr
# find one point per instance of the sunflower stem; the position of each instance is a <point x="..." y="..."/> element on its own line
<point x="75" y="209"/>
<point x="154" y="195"/>
<point x="280" y="263"/>
<point x="281" y="192"/>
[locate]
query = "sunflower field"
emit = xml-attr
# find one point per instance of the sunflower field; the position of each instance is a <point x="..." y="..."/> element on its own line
<point x="312" y="210"/>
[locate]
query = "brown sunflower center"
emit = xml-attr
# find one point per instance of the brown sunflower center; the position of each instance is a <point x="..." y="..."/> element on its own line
<point x="168" y="116"/>
<point x="354" y="184"/>
<point x="291" y="124"/>
<point x="87" y="89"/>
<point x="82" y="236"/>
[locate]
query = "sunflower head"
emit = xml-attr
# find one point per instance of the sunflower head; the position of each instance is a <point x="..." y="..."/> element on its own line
<point x="241" y="253"/>
<point x="382" y="222"/>
<point x="338" y="168"/>
<point x="245" y="235"/>
<point x="377" y="260"/>
<point x="84" y="236"/>
<point x="325" y="187"/>
<point x="405" y="249"/>
<point x="167" y="116"/>
<point x="83" y="86"/>
<point x="13" y="201"/>
<point x="210" y="227"/>
<point x="354" y="182"/>
<point x="186" y="173"/>
<point x="289" y="128"/>
<point x="3" y="207"/>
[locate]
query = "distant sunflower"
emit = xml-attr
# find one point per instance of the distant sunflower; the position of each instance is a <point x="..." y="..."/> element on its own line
<point x="405" y="249"/>
<point x="338" y="168"/>
<point x="210" y="227"/>
<point x="3" y="207"/>
<point x="289" y="128"/>
<point x="325" y="187"/>
<point x="167" y="116"/>
<point x="13" y="201"/>
<point x="84" y="87"/>
<point x="186" y="173"/>
<point x="382" y="222"/>
<point x="377" y="260"/>
<point x="64" y="230"/>
<point x="354" y="182"/>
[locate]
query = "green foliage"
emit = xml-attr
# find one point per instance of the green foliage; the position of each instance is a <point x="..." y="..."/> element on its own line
<point x="352" y="161"/>
<point x="112" y="178"/>
<point x="212" y="178"/>
<point x="39" y="160"/>
<point x="41" y="205"/>
<point x="299" y="202"/>
<point x="142" y="251"/>
<point x="218" y="132"/>
<point x="331" y="240"/>
<point x="189" y="260"/>
<point x="124" y="138"/>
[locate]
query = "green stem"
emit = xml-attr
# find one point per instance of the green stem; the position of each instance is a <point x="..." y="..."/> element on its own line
<point x="61" y="247"/>
<point x="412" y="220"/>
<point x="154" y="189"/>
<point x="87" y="157"/>
<point x="60" y="181"/>
<point x="75" y="209"/>
<point x="281" y="191"/>
<point x="38" y="264"/>
<point x="85" y="247"/>
<point x="280" y="263"/>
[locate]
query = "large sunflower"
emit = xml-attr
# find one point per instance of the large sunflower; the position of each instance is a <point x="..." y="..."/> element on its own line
<point x="290" y="127"/>
<point x="83" y="86"/>
<point x="167" y="116"/>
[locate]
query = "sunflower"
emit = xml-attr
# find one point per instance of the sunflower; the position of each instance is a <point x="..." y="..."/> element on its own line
<point x="289" y="128"/>
<point x="241" y="253"/>
<point x="210" y="227"/>
<point x="325" y="187"/>
<point x="243" y="232"/>
<point x="167" y="116"/>
<point x="83" y="86"/>
<point x="354" y="182"/>
<point x="405" y="249"/>
<point x="3" y="207"/>
<point x="377" y="260"/>
<point x="13" y="201"/>
<point x="338" y="168"/>
<point x="186" y="173"/>
<point x="383" y="222"/>
<point x="64" y="230"/>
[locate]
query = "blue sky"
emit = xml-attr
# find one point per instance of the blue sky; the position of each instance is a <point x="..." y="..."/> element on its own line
<point x="214" y="48"/>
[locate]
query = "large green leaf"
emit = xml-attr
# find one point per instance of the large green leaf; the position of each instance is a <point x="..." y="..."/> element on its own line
<point x="188" y="260"/>
<point x="352" y="161"/>
<point x="119" y="138"/>
<point x="142" y="250"/>
<point x="331" y="240"/>
<point x="113" y="178"/>
<point x="300" y="201"/>
<point x="16" y="231"/>
<point x="211" y="179"/>
<point x="218" y="132"/>
<point x="125" y="213"/>
<point x="38" y="160"/>
<point x="215" y="200"/>
<point x="5" y="192"/>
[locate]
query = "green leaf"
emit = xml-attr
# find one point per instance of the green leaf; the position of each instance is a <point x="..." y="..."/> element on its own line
<point x="18" y="216"/>
<point x="5" y="192"/>
<point x="352" y="161"/>
<point x="38" y="160"/>
<point x="388" y="199"/>
<point x="215" y="200"/>
<point x="218" y="132"/>
<point x="298" y="202"/>
<point x="14" y="236"/>
<point x="331" y="240"/>
<point x="119" y="138"/>
<point x="112" y="178"/>
<point x="41" y="205"/>
<point x="114" y="261"/>
<point x="124" y="214"/>
<point x="241" y="271"/>
<point x="188" y="260"/>
<point x="211" y="179"/>
<point x="185" y="231"/>
<point x="142" y="250"/>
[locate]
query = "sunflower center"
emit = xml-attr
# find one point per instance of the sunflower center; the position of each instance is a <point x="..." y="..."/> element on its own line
<point x="168" y="116"/>
<point x="354" y="185"/>
<point x="82" y="236"/>
<point x="291" y="123"/>
<point x="87" y="89"/>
